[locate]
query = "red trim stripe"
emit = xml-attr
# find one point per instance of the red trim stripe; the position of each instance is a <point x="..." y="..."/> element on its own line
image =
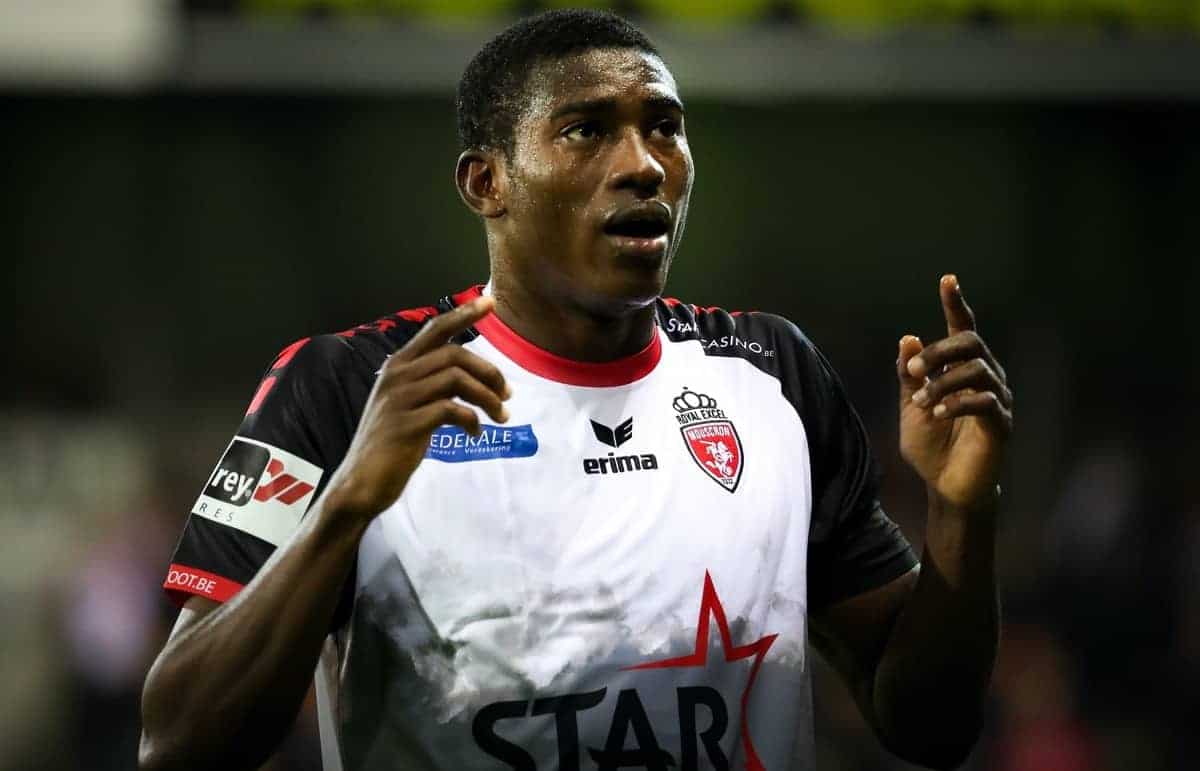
<point x="294" y="493"/>
<point x="541" y="362"/>
<point x="183" y="580"/>
<point x="286" y="354"/>
<point x="698" y="309"/>
<point x="417" y="314"/>
<point x="467" y="295"/>
<point x="260" y="395"/>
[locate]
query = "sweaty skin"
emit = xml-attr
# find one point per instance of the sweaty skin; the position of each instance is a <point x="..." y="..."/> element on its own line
<point x="603" y="131"/>
<point x="918" y="653"/>
<point x="602" y="135"/>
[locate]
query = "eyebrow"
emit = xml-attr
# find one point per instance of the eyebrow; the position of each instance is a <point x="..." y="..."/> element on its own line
<point x="608" y="104"/>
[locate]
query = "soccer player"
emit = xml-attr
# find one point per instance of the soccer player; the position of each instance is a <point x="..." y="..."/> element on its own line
<point x="558" y="521"/>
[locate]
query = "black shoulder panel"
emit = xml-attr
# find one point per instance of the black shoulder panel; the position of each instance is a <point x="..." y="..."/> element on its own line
<point x="853" y="547"/>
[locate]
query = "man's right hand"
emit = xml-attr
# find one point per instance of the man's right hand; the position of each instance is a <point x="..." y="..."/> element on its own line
<point x="226" y="687"/>
<point x="413" y="395"/>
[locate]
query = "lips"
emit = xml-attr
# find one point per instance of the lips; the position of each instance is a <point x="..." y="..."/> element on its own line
<point x="644" y="220"/>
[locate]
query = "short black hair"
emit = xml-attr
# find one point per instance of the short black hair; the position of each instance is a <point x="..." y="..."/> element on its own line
<point x="492" y="94"/>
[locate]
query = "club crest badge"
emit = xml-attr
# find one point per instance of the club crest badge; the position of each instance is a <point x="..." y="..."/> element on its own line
<point x="710" y="438"/>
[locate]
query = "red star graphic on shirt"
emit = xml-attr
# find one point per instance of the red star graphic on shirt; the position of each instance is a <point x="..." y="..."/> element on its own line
<point x="710" y="608"/>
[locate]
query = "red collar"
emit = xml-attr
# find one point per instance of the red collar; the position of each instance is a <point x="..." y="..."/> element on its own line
<point x="541" y="362"/>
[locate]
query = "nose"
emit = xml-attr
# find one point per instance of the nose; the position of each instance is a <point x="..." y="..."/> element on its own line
<point x="635" y="167"/>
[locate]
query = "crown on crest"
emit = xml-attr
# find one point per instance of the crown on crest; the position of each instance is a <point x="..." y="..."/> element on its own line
<point x="690" y="400"/>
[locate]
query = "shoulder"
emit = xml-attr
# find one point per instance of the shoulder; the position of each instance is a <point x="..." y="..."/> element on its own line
<point x="770" y="341"/>
<point x="378" y="339"/>
<point x="363" y="346"/>
<point x="316" y="367"/>
<point x="773" y="344"/>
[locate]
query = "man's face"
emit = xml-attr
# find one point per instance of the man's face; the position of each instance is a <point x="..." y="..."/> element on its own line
<point x="597" y="187"/>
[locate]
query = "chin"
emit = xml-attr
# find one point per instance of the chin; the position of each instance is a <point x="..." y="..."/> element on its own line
<point x="632" y="289"/>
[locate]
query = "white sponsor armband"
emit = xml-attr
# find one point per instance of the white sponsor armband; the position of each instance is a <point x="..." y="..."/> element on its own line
<point x="258" y="489"/>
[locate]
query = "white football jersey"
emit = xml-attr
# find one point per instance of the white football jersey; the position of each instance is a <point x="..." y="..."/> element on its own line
<point x="618" y="577"/>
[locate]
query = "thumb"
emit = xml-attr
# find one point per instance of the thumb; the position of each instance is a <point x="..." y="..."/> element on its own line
<point x="910" y="346"/>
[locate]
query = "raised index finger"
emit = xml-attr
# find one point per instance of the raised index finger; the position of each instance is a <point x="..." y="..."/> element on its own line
<point x="959" y="317"/>
<point x="445" y="326"/>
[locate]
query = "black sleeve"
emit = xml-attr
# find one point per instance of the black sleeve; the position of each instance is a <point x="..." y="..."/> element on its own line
<point x="853" y="546"/>
<point x="294" y="434"/>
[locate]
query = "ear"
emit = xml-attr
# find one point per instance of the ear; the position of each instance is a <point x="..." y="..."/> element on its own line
<point x="479" y="178"/>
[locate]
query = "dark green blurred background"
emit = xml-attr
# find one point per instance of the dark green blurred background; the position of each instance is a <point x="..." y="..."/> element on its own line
<point x="191" y="237"/>
<point x="159" y="247"/>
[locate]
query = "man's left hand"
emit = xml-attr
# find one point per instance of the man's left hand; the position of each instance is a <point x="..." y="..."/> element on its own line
<point x="955" y="407"/>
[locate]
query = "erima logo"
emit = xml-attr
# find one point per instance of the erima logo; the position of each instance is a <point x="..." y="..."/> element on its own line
<point x="613" y="437"/>
<point x="613" y="463"/>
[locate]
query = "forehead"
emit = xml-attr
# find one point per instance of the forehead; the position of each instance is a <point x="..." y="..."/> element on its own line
<point x="617" y="73"/>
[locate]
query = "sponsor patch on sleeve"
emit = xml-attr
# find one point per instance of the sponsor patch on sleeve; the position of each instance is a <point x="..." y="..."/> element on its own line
<point x="258" y="489"/>
<point x="181" y="578"/>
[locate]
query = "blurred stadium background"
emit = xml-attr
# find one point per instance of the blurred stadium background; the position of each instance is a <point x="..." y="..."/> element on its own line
<point x="187" y="187"/>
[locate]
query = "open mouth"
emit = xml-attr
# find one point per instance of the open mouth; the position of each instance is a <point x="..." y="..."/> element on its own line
<point x="647" y="221"/>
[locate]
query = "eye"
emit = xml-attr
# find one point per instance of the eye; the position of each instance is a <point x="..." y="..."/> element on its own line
<point x="581" y="132"/>
<point x="668" y="128"/>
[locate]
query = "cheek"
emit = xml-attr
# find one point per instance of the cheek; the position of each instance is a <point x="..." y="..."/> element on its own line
<point x="681" y="189"/>
<point x="686" y="170"/>
<point x="552" y="191"/>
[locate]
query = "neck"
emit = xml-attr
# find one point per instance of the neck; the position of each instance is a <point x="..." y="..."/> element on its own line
<point x="567" y="328"/>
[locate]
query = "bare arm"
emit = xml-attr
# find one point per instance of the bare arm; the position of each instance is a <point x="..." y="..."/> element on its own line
<point x="227" y="686"/>
<point x="931" y="683"/>
<point x="918" y="652"/>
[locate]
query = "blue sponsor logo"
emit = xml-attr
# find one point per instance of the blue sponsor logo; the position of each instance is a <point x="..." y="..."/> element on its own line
<point x="454" y="445"/>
